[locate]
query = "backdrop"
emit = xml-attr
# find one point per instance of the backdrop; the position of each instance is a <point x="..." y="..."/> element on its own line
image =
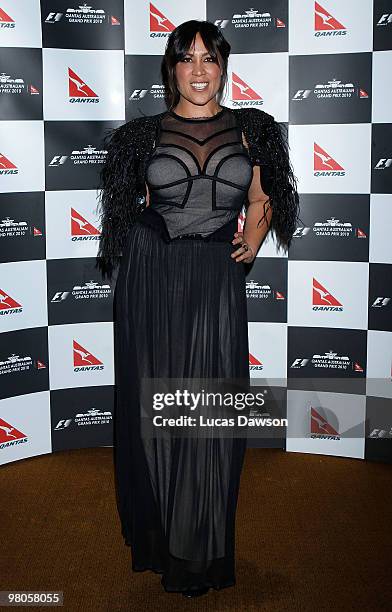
<point x="319" y="317"/>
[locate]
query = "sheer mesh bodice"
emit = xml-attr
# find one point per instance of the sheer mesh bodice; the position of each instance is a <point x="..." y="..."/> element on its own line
<point x="199" y="173"/>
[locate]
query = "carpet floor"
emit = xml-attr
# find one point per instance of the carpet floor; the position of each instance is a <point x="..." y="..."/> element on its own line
<point x="313" y="533"/>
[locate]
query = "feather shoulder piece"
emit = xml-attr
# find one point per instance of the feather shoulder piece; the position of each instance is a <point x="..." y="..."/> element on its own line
<point x="268" y="148"/>
<point x="122" y="194"/>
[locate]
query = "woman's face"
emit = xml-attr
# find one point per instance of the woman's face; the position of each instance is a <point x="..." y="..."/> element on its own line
<point x="198" y="75"/>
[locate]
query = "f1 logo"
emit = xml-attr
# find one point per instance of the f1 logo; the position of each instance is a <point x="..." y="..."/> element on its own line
<point x="221" y="23"/>
<point x="53" y="17"/>
<point x="138" y="94"/>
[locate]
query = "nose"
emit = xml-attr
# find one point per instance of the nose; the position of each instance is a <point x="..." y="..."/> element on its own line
<point x="198" y="67"/>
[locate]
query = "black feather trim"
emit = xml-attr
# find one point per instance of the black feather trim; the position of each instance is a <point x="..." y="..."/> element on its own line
<point x="122" y="194"/>
<point x="269" y="148"/>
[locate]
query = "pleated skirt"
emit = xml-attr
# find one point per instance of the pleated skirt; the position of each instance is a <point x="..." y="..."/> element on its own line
<point x="180" y="311"/>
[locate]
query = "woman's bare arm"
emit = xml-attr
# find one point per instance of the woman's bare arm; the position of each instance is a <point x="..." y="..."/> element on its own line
<point x="258" y="208"/>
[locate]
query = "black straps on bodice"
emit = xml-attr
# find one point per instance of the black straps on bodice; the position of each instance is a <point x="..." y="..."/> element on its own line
<point x="199" y="174"/>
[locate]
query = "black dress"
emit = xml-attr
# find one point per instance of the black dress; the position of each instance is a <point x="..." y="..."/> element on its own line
<point x="180" y="311"/>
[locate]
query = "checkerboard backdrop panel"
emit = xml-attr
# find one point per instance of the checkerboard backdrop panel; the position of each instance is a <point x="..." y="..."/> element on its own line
<point x="320" y="325"/>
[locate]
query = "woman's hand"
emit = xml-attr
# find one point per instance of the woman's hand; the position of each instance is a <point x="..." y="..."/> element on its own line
<point x="245" y="252"/>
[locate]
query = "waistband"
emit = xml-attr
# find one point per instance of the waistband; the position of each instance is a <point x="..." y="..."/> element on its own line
<point x="151" y="218"/>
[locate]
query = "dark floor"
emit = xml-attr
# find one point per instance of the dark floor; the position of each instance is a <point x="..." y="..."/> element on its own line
<point x="313" y="533"/>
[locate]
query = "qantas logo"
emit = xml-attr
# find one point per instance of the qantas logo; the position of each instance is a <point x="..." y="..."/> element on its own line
<point x="324" y="164"/>
<point x="323" y="300"/>
<point x="8" y="305"/>
<point x="6" y="166"/>
<point x="320" y="428"/>
<point x="160" y="25"/>
<point x="10" y="436"/>
<point x="5" y="20"/>
<point x="79" y="91"/>
<point x="83" y="360"/>
<point x="254" y="363"/>
<point x="359" y="233"/>
<point x="81" y="229"/>
<point x="326" y="24"/>
<point x="242" y="94"/>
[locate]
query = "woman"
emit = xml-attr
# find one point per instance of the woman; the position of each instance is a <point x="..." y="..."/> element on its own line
<point x="172" y="187"/>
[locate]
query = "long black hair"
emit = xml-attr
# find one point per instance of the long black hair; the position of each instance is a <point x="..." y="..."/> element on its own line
<point x="177" y="46"/>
